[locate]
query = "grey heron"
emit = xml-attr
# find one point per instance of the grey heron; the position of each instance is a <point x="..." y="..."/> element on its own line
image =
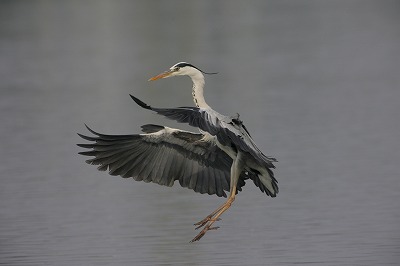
<point x="219" y="158"/>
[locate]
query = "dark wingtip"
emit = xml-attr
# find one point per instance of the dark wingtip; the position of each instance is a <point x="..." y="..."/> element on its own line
<point x="91" y="130"/>
<point x="83" y="136"/>
<point x="140" y="103"/>
<point x="87" y="137"/>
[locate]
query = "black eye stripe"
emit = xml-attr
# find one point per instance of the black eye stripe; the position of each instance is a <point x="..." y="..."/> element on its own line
<point x="184" y="65"/>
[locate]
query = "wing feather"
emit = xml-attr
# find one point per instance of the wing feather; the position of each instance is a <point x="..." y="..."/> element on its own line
<point x="226" y="129"/>
<point x="162" y="156"/>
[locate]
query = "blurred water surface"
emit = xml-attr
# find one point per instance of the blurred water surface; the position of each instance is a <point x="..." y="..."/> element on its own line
<point x="316" y="82"/>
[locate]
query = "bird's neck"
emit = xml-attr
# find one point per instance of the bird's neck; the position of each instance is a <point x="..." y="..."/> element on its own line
<point x="197" y="91"/>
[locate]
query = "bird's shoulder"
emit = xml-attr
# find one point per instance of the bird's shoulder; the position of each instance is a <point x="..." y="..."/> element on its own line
<point x="232" y="123"/>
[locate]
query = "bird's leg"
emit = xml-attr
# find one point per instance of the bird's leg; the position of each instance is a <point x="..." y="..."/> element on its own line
<point x="214" y="218"/>
<point x="236" y="169"/>
<point x="209" y="217"/>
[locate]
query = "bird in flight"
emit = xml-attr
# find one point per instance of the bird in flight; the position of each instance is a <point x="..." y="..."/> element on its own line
<point x="220" y="158"/>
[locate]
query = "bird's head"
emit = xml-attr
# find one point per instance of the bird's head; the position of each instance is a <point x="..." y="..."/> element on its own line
<point x="181" y="69"/>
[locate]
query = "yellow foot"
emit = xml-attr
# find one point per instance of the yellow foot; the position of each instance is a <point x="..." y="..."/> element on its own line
<point x="203" y="232"/>
<point x="205" y="221"/>
<point x="212" y="218"/>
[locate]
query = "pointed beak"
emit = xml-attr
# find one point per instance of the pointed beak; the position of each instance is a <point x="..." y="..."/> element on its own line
<point x="165" y="74"/>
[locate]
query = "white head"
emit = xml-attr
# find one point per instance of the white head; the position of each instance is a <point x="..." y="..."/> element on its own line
<point x="186" y="69"/>
<point x="181" y="69"/>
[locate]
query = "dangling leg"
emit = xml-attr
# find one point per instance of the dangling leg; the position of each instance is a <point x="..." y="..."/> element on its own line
<point x="236" y="169"/>
<point x="212" y="220"/>
<point x="210" y="216"/>
<point x="235" y="165"/>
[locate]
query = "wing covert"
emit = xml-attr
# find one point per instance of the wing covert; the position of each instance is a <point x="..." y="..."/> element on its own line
<point x="226" y="130"/>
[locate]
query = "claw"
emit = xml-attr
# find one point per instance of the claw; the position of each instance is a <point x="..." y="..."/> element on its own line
<point x="204" y="222"/>
<point x="200" y="224"/>
<point x="198" y="237"/>
<point x="212" y="218"/>
<point x="197" y="227"/>
<point x="204" y="231"/>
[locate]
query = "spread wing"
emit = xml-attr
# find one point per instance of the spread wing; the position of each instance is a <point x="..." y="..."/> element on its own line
<point x="162" y="155"/>
<point x="227" y="130"/>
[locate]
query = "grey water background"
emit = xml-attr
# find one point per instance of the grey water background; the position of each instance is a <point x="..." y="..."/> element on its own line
<point x="317" y="83"/>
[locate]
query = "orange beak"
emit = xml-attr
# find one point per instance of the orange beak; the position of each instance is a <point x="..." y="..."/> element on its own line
<point x="162" y="75"/>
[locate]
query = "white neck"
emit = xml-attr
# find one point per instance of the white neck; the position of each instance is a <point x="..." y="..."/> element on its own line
<point x="198" y="88"/>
